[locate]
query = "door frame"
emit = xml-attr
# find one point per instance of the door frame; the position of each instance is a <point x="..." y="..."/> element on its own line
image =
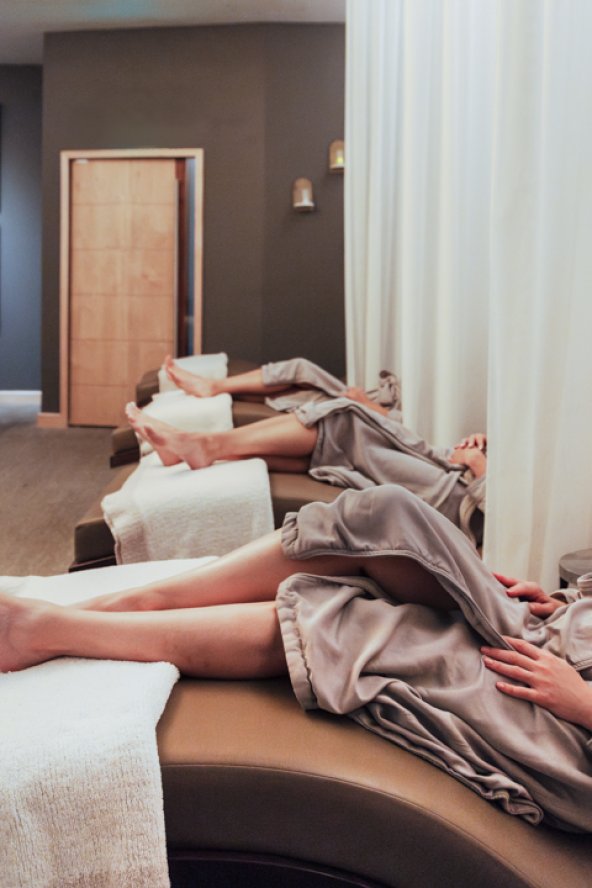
<point x="66" y="160"/>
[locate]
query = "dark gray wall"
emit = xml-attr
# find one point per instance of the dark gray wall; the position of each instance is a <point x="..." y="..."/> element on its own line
<point x="303" y="253"/>
<point x="264" y="101"/>
<point x="20" y="227"/>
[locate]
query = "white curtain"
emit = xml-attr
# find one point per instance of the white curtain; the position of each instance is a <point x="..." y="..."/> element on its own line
<point x="468" y="269"/>
<point x="540" y="380"/>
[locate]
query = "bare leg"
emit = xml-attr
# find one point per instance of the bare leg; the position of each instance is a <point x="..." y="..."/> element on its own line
<point x="254" y="571"/>
<point x="234" y="641"/>
<point x="237" y="640"/>
<point x="250" y="573"/>
<point x="141" y="423"/>
<point x="242" y="383"/>
<point x="282" y="436"/>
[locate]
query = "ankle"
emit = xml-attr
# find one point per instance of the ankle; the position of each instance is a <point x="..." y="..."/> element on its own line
<point x="36" y="627"/>
<point x="217" y="386"/>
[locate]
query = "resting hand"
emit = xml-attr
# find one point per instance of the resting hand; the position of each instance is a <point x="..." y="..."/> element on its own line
<point x="471" y="457"/>
<point x="541" y="604"/>
<point x="477" y="440"/>
<point x="354" y="393"/>
<point x="547" y="680"/>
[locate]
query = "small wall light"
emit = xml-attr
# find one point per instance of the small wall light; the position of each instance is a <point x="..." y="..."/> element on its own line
<point x="336" y="156"/>
<point x="302" y="196"/>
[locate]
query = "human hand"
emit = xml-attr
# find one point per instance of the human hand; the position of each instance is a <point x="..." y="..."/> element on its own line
<point x="471" y="457"/>
<point x="358" y="394"/>
<point x="550" y="681"/>
<point x="541" y="604"/>
<point x="477" y="439"/>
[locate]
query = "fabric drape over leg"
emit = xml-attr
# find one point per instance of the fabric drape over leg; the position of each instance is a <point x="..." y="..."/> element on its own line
<point x="415" y="675"/>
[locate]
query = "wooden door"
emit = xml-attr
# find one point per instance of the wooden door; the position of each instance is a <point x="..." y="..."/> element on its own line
<point x="123" y="275"/>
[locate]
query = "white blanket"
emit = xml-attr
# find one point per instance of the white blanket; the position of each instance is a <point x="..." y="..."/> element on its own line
<point x="81" y="792"/>
<point x="189" y="413"/>
<point x="211" y="366"/>
<point x="174" y="512"/>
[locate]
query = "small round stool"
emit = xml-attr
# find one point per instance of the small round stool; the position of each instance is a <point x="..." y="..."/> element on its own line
<point x="573" y="565"/>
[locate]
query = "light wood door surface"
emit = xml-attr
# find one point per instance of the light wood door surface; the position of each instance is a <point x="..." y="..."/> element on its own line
<point x="123" y="272"/>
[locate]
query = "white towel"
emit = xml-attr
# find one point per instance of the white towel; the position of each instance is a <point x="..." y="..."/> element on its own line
<point x="211" y="366"/>
<point x="175" y="512"/>
<point x="189" y="413"/>
<point x="81" y="792"/>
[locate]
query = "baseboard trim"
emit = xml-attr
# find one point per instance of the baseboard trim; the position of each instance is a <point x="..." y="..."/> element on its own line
<point x="52" y="421"/>
<point x="20" y="398"/>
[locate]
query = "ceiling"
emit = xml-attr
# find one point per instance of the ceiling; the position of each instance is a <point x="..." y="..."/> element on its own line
<point x="23" y="22"/>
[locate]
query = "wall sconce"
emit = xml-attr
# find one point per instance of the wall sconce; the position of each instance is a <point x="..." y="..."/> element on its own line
<point x="336" y="156"/>
<point x="302" y="197"/>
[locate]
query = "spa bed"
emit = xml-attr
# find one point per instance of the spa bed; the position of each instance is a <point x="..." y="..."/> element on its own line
<point x="259" y="793"/>
<point x="93" y="541"/>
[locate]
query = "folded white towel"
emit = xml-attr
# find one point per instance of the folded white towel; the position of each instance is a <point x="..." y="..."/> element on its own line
<point x="211" y="366"/>
<point x="175" y="512"/>
<point x="81" y="799"/>
<point x="189" y="413"/>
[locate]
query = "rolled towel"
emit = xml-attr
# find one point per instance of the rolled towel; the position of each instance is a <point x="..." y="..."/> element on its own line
<point x="174" y="512"/>
<point x="211" y="366"/>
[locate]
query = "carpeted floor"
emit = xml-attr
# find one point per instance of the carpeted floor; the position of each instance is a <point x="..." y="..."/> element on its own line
<point x="48" y="480"/>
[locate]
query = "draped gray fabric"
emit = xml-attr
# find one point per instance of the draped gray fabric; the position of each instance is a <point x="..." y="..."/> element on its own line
<point x="357" y="447"/>
<point x="415" y="675"/>
<point x="320" y="385"/>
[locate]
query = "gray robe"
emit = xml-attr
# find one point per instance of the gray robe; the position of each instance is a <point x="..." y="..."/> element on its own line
<point x="415" y="675"/>
<point x="319" y="385"/>
<point x="357" y="447"/>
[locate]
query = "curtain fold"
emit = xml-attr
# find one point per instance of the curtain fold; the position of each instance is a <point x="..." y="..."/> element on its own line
<point x="468" y="257"/>
<point x="540" y="311"/>
<point x="414" y="194"/>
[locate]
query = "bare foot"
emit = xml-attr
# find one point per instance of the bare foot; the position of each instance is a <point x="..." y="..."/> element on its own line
<point x="190" y="383"/>
<point x="139" y="420"/>
<point x="143" y="425"/>
<point x="176" y="446"/>
<point x="19" y="626"/>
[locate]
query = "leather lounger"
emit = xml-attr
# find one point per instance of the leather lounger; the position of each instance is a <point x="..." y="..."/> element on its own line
<point x="93" y="540"/>
<point x="257" y="792"/>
